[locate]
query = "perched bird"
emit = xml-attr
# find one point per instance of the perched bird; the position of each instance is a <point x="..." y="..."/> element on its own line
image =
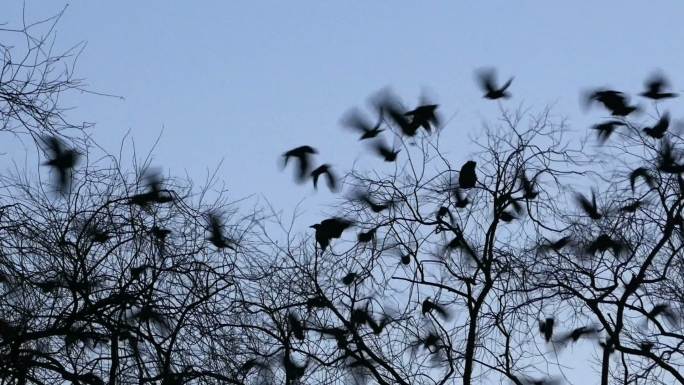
<point x="216" y="236"/>
<point x="546" y="328"/>
<point x="324" y="169"/>
<point x="330" y="229"/>
<point x="424" y="116"/>
<point x="529" y="192"/>
<point x="605" y="130"/>
<point x="406" y="258"/>
<point x="659" y="129"/>
<point x="604" y="243"/>
<point x="614" y="101"/>
<point x="366" y="236"/>
<point x="655" y="85"/>
<point x="303" y="155"/>
<point x="643" y="173"/>
<point x="487" y="80"/>
<point x="355" y="120"/>
<point x="442" y="212"/>
<point x="296" y="326"/>
<point x="160" y="233"/>
<point x="349" y="278"/>
<point x="589" y="207"/>
<point x="467" y="178"/>
<point x="646" y="346"/>
<point x="429" y="306"/>
<point x="389" y="154"/>
<point x="62" y="159"/>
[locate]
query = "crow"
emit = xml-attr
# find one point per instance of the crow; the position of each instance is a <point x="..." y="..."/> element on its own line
<point x="154" y="192"/>
<point x="668" y="159"/>
<point x="659" y="129"/>
<point x="632" y="207"/>
<point x="614" y="101"/>
<point x="546" y="328"/>
<point x="605" y="130"/>
<point x="62" y="159"/>
<point x="576" y="334"/>
<point x="389" y="154"/>
<point x="461" y="201"/>
<point x="424" y="116"/>
<point x="293" y="371"/>
<point x="654" y="88"/>
<point x="527" y="186"/>
<point x="460" y="243"/>
<point x="664" y="310"/>
<point x="160" y="233"/>
<point x="296" y="326"/>
<point x="390" y="105"/>
<point x="366" y="236"/>
<point x="330" y="229"/>
<point x="302" y="154"/>
<point x="428" y="306"/>
<point x="467" y="178"/>
<point x="556" y="245"/>
<point x="406" y="258"/>
<point x="487" y="80"/>
<point x="442" y="212"/>
<point x="349" y="278"/>
<point x="539" y="381"/>
<point x="216" y="236"/>
<point x="330" y="177"/>
<point x="355" y="120"/>
<point x="641" y="172"/>
<point x="375" y="207"/>
<point x="590" y="208"/>
<point x="507" y="216"/>
<point x="604" y="243"/>
<point x="318" y="302"/>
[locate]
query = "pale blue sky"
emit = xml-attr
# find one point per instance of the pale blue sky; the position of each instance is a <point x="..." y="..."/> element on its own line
<point x="246" y="80"/>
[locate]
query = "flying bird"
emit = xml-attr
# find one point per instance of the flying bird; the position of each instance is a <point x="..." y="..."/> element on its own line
<point x="556" y="245"/>
<point x="576" y="334"/>
<point x="668" y="159"/>
<point x="614" y="101"/>
<point x="589" y="207"/>
<point x="643" y="173"/>
<point x="390" y="105"/>
<point x="424" y="116"/>
<point x="655" y="85"/>
<point x="216" y="236"/>
<point x="154" y="193"/>
<point x="375" y="207"/>
<point x="354" y="119"/>
<point x="389" y="154"/>
<point x="659" y="129"/>
<point x="666" y="311"/>
<point x="529" y="192"/>
<point x="605" y="130"/>
<point x="429" y="306"/>
<point x="303" y="155"/>
<point x="604" y="243"/>
<point x="487" y="80"/>
<point x="62" y="159"/>
<point x="467" y="178"/>
<point x="330" y="229"/>
<point x="546" y="328"/>
<point x="461" y="200"/>
<point x="330" y="178"/>
<point x="632" y="207"/>
<point x="366" y="236"/>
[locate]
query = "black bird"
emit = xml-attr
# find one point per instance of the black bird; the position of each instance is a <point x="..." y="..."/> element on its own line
<point x="296" y="325"/>
<point x="330" y="177"/>
<point x="349" y="278"/>
<point x="556" y="245"/>
<point x="659" y="129"/>
<point x="390" y="105"/>
<point x="160" y="233"/>
<point x="460" y="243"/>
<point x="655" y="85"/>
<point x="442" y="212"/>
<point x="388" y="153"/>
<point x="406" y="258"/>
<point x="539" y="381"/>
<point x="546" y="328"/>
<point x="664" y="310"/>
<point x="668" y="159"/>
<point x="467" y="178"/>
<point x="317" y="302"/>
<point x="605" y="130"/>
<point x="529" y="192"/>
<point x="461" y="200"/>
<point x="330" y="229"/>
<point x="429" y="306"/>
<point x="154" y="193"/>
<point x="507" y="216"/>
<point x="293" y="371"/>
<point x="641" y="172"/>
<point x="355" y="120"/>
<point x="604" y="243"/>
<point x="375" y="207"/>
<point x="616" y="102"/>
<point x="590" y="208"/>
<point x="487" y="80"/>
<point x="62" y="159"/>
<point x="216" y="236"/>
<point x="366" y="236"/>
<point x="303" y="155"/>
<point x="576" y="334"/>
<point x="424" y="116"/>
<point x="632" y="207"/>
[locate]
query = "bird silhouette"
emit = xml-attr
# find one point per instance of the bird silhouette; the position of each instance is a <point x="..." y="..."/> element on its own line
<point x="668" y="159"/>
<point x="556" y="245"/>
<point x="366" y="236"/>
<point x="614" y="101"/>
<point x="666" y="311"/>
<point x="303" y="156"/>
<point x="390" y="105"/>
<point x="293" y="371"/>
<point x="529" y="191"/>
<point x="632" y="207"/>
<point x="424" y="116"/>
<point x="467" y="178"/>
<point x="655" y="86"/>
<point x="546" y="328"/>
<point x="429" y="306"/>
<point x="643" y="173"/>
<point x="375" y="207"/>
<point x="461" y="200"/>
<point x="487" y="80"/>
<point x="576" y="334"/>
<point x="605" y="130"/>
<point x="354" y="119"/>
<point x="330" y="229"/>
<point x="442" y="212"/>
<point x="604" y="243"/>
<point x="507" y="216"/>
<point x="154" y="193"/>
<point x="349" y="278"/>
<point x="317" y="302"/>
<point x="388" y="154"/>
<point x="62" y="159"/>
<point x="406" y="258"/>
<point x="525" y="380"/>
<point x="659" y="129"/>
<point x="296" y="326"/>
<point x="458" y="242"/>
<point x="331" y="179"/>
<point x="646" y="346"/>
<point x="216" y="236"/>
<point x="589" y="207"/>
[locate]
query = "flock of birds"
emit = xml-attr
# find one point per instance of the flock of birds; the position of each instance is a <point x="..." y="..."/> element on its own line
<point x="388" y="107"/>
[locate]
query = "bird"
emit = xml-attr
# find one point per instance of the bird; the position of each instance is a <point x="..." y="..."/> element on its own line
<point x="154" y="193"/>
<point x="668" y="159"/>
<point x="429" y="306"/>
<point x="643" y="173"/>
<point x="529" y="192"/>
<point x="614" y="101"/>
<point x="458" y="242"/>
<point x="303" y="155"/>
<point x="216" y="236"/>
<point x="293" y="371"/>
<point x="632" y="207"/>
<point x="590" y="208"/>
<point x="556" y="245"/>
<point x="546" y="328"/>
<point x="467" y="178"/>
<point x="296" y="326"/>
<point x="366" y="236"/>
<point x="375" y="207"/>
<point x="62" y="159"/>
<point x="389" y="154"/>
<point x="525" y="380"/>
<point x="160" y="233"/>
<point x="658" y="130"/>
<point x="390" y="105"/>
<point x="349" y="278"/>
<point x="424" y="116"/>
<point x="330" y="229"/>
<point x="406" y="258"/>
<point x="507" y="216"/>
<point x="354" y="119"/>
<point x="646" y="346"/>
<point x="442" y="212"/>
<point x="604" y="243"/>
<point x="664" y="310"/>
<point x="331" y="179"/>
<point x="605" y="130"/>
<point x="461" y="200"/>
<point x="576" y="334"/>
<point x="317" y="302"/>
<point x="487" y="80"/>
<point x="655" y="85"/>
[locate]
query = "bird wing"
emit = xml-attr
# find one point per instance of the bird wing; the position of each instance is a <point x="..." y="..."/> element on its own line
<point x="487" y="80"/>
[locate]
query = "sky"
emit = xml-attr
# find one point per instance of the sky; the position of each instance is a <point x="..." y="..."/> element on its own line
<point x="240" y="82"/>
